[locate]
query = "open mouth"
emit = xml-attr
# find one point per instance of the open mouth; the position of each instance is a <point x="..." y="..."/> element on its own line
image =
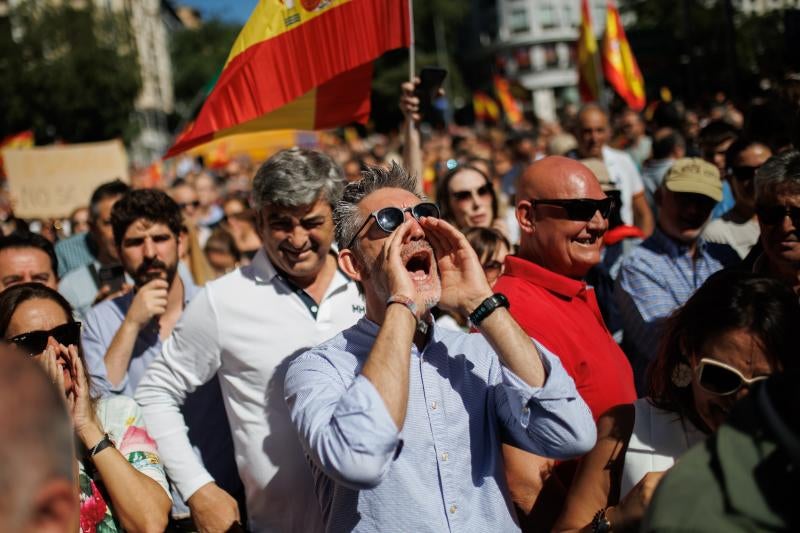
<point x="419" y="265"/>
<point x="587" y="241"/>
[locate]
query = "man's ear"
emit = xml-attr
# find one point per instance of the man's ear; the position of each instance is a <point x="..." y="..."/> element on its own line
<point x="350" y="264"/>
<point x="524" y="212"/>
<point x="56" y="507"/>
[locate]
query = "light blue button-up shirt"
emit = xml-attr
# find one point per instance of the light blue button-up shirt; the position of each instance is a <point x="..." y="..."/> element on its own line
<point x="656" y="278"/>
<point x="444" y="470"/>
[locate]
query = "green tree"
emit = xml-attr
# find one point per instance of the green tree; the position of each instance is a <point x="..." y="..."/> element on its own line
<point x="198" y="56"/>
<point x="69" y="74"/>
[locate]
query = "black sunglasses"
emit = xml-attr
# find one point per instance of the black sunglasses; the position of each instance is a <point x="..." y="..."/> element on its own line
<point x="184" y="205"/>
<point x="461" y="196"/>
<point x="744" y="173"/>
<point x="774" y="214"/>
<point x="390" y="218"/>
<point x="35" y="342"/>
<point x="718" y="378"/>
<point x="582" y="209"/>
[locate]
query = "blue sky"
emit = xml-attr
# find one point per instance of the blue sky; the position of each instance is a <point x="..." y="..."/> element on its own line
<point x="232" y="10"/>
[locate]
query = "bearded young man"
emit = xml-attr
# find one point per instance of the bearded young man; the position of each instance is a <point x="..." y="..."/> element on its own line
<point x="122" y="336"/>
<point x="402" y="420"/>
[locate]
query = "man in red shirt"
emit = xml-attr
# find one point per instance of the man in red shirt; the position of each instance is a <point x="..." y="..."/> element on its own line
<point x="562" y="213"/>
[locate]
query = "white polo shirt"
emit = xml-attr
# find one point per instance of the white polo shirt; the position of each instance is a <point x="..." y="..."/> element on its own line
<point x="625" y="177"/>
<point x="246" y="327"/>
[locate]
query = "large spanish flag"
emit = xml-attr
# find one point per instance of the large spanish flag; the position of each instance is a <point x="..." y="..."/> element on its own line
<point x="300" y="64"/>
<point x="589" y="78"/>
<point x="619" y="64"/>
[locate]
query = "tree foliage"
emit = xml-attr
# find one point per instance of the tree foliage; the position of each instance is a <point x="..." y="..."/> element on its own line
<point x="198" y="56"/>
<point x="69" y="74"/>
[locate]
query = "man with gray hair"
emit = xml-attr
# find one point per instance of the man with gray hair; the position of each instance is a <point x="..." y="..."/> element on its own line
<point x="402" y="420"/>
<point x="37" y="476"/>
<point x="777" y="185"/>
<point x="245" y="328"/>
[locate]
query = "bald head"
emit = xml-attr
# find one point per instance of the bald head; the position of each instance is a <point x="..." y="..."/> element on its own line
<point x="592" y="131"/>
<point x="36" y="449"/>
<point x="559" y="177"/>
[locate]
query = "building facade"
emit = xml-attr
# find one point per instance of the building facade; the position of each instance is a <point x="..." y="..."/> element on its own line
<point x="536" y="46"/>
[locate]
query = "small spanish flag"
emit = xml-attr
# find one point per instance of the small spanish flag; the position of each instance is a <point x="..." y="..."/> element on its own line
<point x="619" y="64"/>
<point x="22" y="139"/>
<point x="510" y="106"/>
<point x="300" y="64"/>
<point x="589" y="78"/>
<point x="486" y="109"/>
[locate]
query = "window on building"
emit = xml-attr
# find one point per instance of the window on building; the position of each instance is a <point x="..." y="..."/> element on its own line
<point x="548" y="18"/>
<point x="518" y="20"/>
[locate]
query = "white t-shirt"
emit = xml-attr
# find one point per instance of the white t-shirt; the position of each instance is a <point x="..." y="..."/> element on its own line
<point x="246" y="327"/>
<point x="739" y="236"/>
<point x="626" y="179"/>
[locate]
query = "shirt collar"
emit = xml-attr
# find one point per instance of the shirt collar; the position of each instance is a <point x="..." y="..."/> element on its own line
<point x="538" y="275"/>
<point x="265" y="272"/>
<point x="672" y="247"/>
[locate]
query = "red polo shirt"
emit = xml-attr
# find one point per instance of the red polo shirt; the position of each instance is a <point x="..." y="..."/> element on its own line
<point x="563" y="315"/>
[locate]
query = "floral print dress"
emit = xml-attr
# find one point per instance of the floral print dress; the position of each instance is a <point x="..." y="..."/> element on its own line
<point x="121" y="418"/>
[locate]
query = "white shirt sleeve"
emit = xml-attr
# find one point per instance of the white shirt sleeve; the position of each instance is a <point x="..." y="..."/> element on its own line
<point x="189" y="359"/>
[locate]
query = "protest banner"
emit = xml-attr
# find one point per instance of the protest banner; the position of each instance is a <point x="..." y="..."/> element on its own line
<point x="51" y="181"/>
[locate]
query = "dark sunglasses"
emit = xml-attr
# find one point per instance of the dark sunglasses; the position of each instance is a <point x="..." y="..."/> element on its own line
<point x="461" y="196"/>
<point x="35" y="342"/>
<point x="390" y="218"/>
<point x="744" y="173"/>
<point x="582" y="209"/>
<point x="184" y="205"/>
<point x="774" y="214"/>
<point x="718" y="378"/>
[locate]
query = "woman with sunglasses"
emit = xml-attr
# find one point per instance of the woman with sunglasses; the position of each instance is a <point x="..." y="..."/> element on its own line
<point x="736" y="330"/>
<point x="467" y="199"/>
<point x="121" y="481"/>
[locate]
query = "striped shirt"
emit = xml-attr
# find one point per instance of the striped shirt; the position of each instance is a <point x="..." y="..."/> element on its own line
<point x="444" y="470"/>
<point x="656" y="278"/>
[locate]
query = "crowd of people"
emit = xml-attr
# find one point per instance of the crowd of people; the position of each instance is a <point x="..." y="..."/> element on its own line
<point x="472" y="329"/>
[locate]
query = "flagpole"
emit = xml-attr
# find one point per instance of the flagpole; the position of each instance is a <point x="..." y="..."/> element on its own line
<point x="411" y="49"/>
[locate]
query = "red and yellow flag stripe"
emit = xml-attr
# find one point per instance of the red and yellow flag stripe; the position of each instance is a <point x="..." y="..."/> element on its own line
<point x="619" y="63"/>
<point x="588" y="58"/>
<point x="300" y="64"/>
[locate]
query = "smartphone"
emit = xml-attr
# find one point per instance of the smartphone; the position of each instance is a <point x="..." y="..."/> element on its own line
<point x="113" y="276"/>
<point x="430" y="81"/>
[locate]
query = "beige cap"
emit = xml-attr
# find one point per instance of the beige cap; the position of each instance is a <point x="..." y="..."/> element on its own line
<point x="692" y="174"/>
<point x="599" y="169"/>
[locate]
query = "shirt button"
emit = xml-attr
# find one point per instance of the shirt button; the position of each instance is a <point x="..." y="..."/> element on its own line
<point x="434" y="405"/>
<point x="525" y="410"/>
<point x="445" y="456"/>
<point x="453" y="509"/>
<point x="314" y="308"/>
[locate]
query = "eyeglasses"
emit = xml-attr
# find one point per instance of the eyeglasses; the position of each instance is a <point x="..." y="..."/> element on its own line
<point x="581" y="209"/>
<point x="462" y="196"/>
<point x="390" y="218"/>
<point x="184" y="205"/>
<point x="723" y="380"/>
<point x="774" y="214"/>
<point x="35" y="342"/>
<point x="744" y="173"/>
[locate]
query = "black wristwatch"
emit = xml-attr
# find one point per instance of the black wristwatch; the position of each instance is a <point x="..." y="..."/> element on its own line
<point x="102" y="445"/>
<point x="487" y="307"/>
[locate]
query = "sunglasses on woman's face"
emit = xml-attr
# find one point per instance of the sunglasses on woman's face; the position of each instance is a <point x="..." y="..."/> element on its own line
<point x="774" y="214"/>
<point x="35" y="342"/>
<point x="580" y="209"/>
<point x="480" y="192"/>
<point x="389" y="218"/>
<point x="718" y="378"/>
<point x="744" y="173"/>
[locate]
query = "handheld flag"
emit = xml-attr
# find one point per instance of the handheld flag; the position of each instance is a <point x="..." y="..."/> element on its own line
<point x="302" y="64"/>
<point x="589" y="78"/>
<point x="510" y="107"/>
<point x="619" y="64"/>
<point x="485" y="107"/>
